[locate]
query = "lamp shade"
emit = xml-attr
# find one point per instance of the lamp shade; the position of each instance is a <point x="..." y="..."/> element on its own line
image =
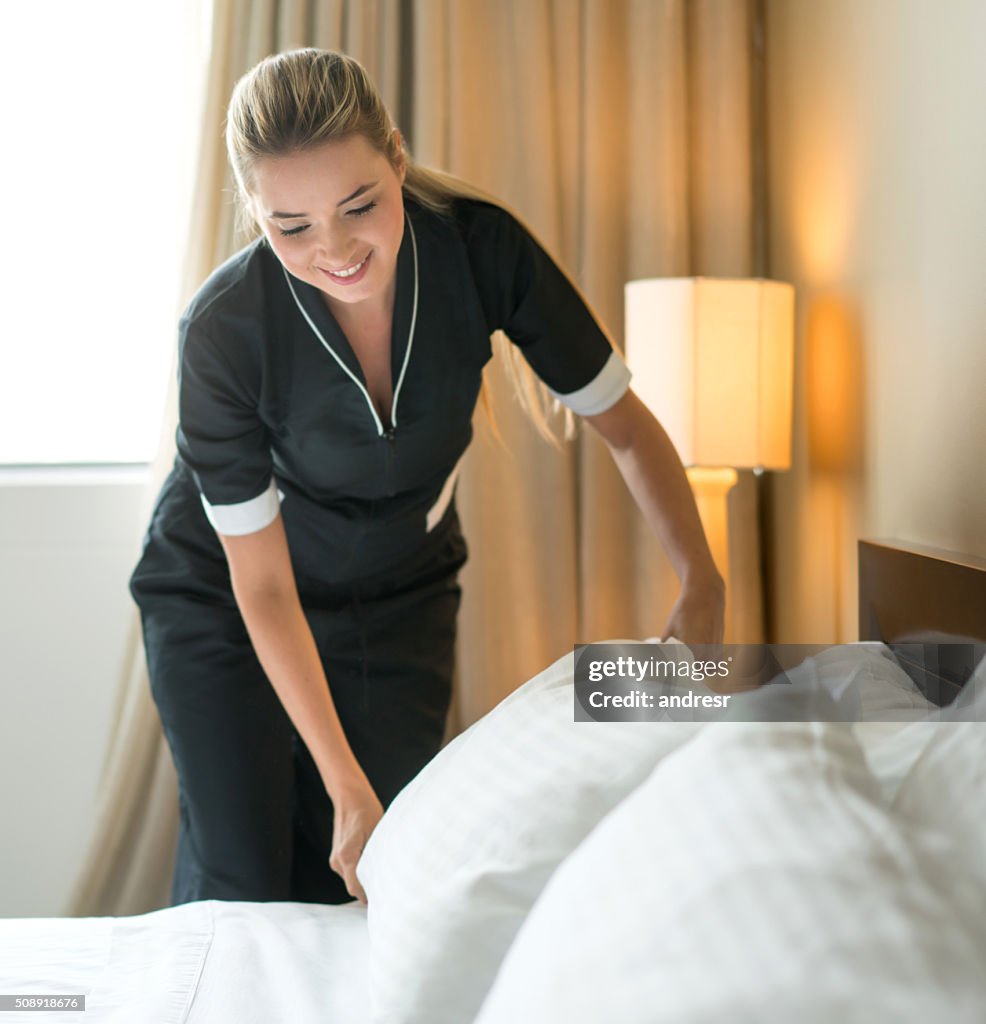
<point x="712" y="359"/>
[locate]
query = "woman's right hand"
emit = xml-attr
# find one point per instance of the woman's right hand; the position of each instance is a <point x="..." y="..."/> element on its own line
<point x="357" y="810"/>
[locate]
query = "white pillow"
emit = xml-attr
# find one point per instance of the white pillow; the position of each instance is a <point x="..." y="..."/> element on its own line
<point x="864" y="679"/>
<point x="886" y="693"/>
<point x="888" y="711"/>
<point x="896" y="722"/>
<point x="753" y="877"/>
<point x="945" y="788"/>
<point x="463" y="851"/>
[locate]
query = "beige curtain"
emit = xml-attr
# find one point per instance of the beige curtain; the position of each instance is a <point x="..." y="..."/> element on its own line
<point x="621" y="131"/>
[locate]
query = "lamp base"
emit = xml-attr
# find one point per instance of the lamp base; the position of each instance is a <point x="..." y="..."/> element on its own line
<point x="711" y="488"/>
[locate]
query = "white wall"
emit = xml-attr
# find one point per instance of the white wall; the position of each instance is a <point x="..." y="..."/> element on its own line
<point x="68" y="541"/>
<point x="876" y="165"/>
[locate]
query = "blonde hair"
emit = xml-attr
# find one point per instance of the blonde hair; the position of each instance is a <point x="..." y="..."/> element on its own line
<point x="301" y="98"/>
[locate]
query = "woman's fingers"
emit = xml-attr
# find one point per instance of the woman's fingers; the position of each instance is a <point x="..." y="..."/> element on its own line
<point x="698" y="615"/>
<point x="343" y="862"/>
<point x="355" y="817"/>
<point x="355" y="889"/>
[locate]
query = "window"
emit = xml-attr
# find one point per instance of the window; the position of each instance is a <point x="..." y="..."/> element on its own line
<point x="101" y="128"/>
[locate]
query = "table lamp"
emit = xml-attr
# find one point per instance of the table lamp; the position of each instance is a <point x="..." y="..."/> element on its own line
<point x="712" y="359"/>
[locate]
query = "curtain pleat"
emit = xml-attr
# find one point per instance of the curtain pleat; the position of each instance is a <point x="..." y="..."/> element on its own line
<point x="721" y="167"/>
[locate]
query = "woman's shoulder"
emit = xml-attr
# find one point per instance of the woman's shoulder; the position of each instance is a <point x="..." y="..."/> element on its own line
<point x="496" y="239"/>
<point x="238" y="290"/>
<point x="481" y="219"/>
<point x="474" y="220"/>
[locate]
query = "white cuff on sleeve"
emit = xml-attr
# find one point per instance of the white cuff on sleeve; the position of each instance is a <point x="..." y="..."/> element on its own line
<point x="603" y="391"/>
<point x="245" y="516"/>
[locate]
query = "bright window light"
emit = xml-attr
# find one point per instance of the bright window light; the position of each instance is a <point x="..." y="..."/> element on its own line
<point x="101" y="104"/>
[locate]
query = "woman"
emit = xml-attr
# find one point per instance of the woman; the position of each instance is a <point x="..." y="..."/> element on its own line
<point x="298" y="585"/>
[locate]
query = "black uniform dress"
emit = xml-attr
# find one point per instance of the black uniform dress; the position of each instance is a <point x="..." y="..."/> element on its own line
<point x="275" y="415"/>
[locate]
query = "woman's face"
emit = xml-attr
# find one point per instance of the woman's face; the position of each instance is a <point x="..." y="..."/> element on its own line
<point x="334" y="216"/>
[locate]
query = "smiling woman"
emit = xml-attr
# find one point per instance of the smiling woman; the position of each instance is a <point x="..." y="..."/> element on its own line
<point x="97" y="357"/>
<point x="299" y="581"/>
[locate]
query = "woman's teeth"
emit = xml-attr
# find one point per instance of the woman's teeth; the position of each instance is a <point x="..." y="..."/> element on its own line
<point x="351" y="271"/>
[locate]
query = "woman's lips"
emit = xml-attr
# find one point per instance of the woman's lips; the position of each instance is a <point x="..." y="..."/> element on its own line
<point x="351" y="278"/>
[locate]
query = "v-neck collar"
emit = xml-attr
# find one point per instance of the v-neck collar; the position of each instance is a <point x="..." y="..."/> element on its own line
<point x="326" y="328"/>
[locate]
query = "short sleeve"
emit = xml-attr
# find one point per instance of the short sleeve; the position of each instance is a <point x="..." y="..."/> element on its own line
<point x="528" y="296"/>
<point x="221" y="437"/>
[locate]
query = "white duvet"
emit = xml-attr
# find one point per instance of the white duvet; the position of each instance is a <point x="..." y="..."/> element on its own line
<point x="754" y="878"/>
<point x="772" y="872"/>
<point x="209" y="962"/>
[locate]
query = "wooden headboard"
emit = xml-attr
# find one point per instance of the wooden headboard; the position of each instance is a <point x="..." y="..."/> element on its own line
<point x="912" y="594"/>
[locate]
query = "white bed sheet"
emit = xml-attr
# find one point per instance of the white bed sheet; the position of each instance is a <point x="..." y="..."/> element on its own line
<point x="208" y="962"/>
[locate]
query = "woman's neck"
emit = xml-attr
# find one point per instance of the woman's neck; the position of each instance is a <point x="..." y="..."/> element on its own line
<point x="376" y="310"/>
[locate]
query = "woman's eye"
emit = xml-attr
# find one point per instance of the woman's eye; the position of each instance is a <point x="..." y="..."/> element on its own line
<point x="293" y="231"/>
<point x="362" y="211"/>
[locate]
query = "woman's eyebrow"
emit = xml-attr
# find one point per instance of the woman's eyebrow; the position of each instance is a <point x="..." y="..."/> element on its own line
<point x="281" y="215"/>
<point x="358" y="192"/>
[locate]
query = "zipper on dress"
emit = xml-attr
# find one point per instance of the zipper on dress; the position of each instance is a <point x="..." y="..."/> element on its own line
<point x="389" y="435"/>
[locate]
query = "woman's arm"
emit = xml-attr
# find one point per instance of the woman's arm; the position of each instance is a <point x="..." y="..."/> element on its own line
<point x="656" y="478"/>
<point x="267" y="595"/>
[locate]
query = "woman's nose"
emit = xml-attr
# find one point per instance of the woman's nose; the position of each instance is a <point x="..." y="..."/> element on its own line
<point x="338" y="248"/>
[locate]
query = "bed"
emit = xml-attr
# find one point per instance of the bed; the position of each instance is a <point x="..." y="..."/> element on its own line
<point x="544" y="871"/>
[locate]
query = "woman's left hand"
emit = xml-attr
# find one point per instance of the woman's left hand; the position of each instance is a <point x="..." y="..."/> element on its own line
<point x="699" y="614"/>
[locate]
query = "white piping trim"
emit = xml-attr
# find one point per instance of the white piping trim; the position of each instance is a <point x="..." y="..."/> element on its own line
<point x="349" y="373"/>
<point x="410" y="333"/>
<point x="602" y="392"/>
<point x="332" y="352"/>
